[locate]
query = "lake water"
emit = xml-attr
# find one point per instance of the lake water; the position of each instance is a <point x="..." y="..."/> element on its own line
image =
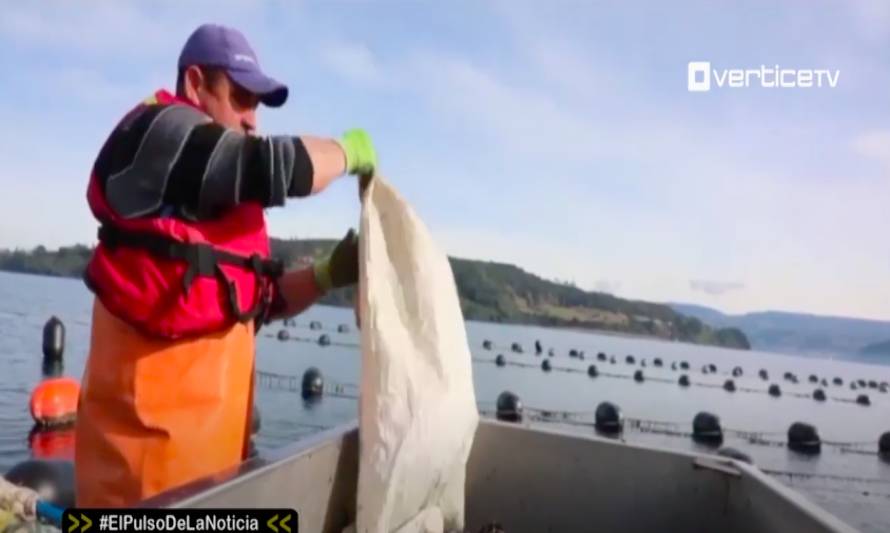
<point x="854" y="485"/>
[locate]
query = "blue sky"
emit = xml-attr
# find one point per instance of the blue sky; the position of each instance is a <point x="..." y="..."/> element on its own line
<point x="559" y="136"/>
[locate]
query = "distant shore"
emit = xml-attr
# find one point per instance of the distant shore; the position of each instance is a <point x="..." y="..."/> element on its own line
<point x="492" y="292"/>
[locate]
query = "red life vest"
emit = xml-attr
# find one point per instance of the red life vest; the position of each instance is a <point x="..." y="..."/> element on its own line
<point x="174" y="278"/>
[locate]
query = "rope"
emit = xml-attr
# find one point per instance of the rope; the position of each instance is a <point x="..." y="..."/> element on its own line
<point x="272" y="380"/>
<point x="20" y="501"/>
<point x="600" y="374"/>
<point x="866" y="493"/>
<point x="800" y="476"/>
<point x="670" y="428"/>
<point x="674" y="429"/>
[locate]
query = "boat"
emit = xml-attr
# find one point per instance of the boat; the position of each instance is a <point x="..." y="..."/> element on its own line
<point x="528" y="479"/>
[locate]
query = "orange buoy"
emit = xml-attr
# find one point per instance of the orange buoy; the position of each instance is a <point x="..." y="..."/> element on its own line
<point x="54" y="401"/>
<point x="52" y="443"/>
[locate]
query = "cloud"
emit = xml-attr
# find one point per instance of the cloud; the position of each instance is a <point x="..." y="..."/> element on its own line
<point x="92" y="86"/>
<point x="354" y="62"/>
<point x="872" y="18"/>
<point x="607" y="286"/>
<point x="120" y="30"/>
<point x="520" y="119"/>
<point x="874" y="144"/>
<point x="715" y="288"/>
<point x="98" y="27"/>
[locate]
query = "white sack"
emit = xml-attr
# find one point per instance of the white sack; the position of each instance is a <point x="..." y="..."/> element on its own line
<point x="417" y="412"/>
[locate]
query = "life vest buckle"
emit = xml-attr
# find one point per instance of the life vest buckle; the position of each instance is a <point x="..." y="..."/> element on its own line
<point x="201" y="259"/>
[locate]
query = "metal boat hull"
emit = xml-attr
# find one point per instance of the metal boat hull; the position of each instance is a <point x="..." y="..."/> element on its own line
<point x="530" y="481"/>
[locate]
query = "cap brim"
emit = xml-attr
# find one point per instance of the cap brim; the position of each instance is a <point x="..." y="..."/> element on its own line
<point x="271" y="92"/>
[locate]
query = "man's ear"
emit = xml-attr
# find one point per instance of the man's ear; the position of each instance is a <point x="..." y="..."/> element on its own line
<point x="193" y="80"/>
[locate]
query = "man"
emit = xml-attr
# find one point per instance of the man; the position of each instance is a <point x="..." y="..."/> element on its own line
<point x="182" y="272"/>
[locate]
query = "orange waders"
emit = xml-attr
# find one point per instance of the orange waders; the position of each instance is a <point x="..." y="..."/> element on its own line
<point x="155" y="414"/>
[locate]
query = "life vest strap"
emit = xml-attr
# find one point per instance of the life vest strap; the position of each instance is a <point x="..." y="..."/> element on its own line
<point x="203" y="260"/>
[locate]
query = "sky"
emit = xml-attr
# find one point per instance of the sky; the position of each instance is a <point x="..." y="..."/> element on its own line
<point x="559" y="136"/>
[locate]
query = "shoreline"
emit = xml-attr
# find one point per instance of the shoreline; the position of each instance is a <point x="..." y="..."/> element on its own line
<point x="851" y="358"/>
<point x="579" y="329"/>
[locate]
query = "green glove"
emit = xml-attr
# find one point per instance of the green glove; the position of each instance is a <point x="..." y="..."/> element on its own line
<point x="340" y="269"/>
<point x="361" y="159"/>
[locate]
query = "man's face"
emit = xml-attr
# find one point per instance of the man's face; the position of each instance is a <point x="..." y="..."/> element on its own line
<point x="226" y="102"/>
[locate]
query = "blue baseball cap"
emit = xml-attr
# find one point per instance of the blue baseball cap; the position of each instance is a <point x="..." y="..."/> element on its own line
<point x="222" y="47"/>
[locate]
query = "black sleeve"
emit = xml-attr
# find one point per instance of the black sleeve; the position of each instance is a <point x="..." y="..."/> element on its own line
<point x="174" y="156"/>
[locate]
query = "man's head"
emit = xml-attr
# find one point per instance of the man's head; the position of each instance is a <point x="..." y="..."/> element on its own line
<point x="219" y="71"/>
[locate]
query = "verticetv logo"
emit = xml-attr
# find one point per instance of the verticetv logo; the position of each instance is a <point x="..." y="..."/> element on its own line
<point x="700" y="74"/>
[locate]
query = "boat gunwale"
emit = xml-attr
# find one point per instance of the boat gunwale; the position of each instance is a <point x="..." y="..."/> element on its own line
<point x="208" y="486"/>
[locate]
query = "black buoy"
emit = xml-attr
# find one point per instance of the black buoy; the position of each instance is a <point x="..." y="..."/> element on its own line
<point x="788" y="376"/>
<point x="545" y="365"/>
<point x="684" y="365"/>
<point x="804" y="438"/>
<point x="657" y="362"/>
<point x="861" y="383"/>
<point x="853" y="386"/>
<point x="824" y="382"/>
<point x="500" y="360"/>
<point x="516" y="347"/>
<point x="573" y="353"/>
<point x="774" y="390"/>
<point x="872" y="384"/>
<point x="315" y="324"/>
<point x="729" y="385"/>
<point x="53" y="347"/>
<point x="52" y="369"/>
<point x="683" y="381"/>
<point x="793" y="378"/>
<point x="324" y="340"/>
<point x="733" y="453"/>
<point x="53" y="339"/>
<point x="283" y="335"/>
<point x="52" y="479"/>
<point x="289" y="322"/>
<point x="706" y="428"/>
<point x="342" y="328"/>
<point x="509" y="407"/>
<point x="863" y="399"/>
<point x="538" y="347"/>
<point x="737" y="372"/>
<point x="819" y="395"/>
<point x="638" y="376"/>
<point x="764" y="375"/>
<point x="486" y="344"/>
<point x="255" y="420"/>
<point x="612" y="360"/>
<point x="591" y="371"/>
<point x="630" y="360"/>
<point x="814" y="378"/>
<point x="601" y="356"/>
<point x="884" y="445"/>
<point x="313" y="383"/>
<point x="838" y="381"/>
<point x="608" y="418"/>
<point x="713" y="368"/>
